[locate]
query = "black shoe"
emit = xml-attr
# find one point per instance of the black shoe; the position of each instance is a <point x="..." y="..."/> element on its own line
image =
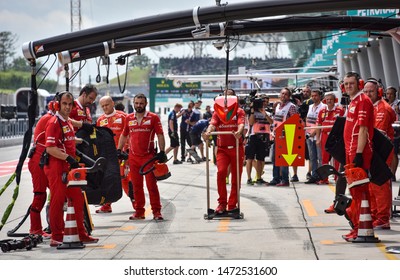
<point x="312" y="180"/>
<point x="294" y="178"/>
<point x="189" y="160"/>
<point x="308" y="176"/>
<point x="273" y="183"/>
<point x="250" y="182"/>
<point x="177" y="162"/>
<point x="261" y="182"/>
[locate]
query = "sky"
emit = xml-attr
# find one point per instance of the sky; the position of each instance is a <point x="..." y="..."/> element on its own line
<point x="33" y="20"/>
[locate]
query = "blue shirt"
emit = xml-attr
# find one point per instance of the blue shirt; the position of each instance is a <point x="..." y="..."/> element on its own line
<point x="172" y="116"/>
<point x="200" y="126"/>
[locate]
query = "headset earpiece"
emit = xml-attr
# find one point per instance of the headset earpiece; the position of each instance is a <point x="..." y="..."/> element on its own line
<point x="57" y="99"/>
<point x="341" y="85"/>
<point x="380" y="90"/>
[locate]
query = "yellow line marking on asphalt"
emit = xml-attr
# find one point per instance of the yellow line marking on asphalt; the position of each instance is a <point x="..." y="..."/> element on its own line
<point x="382" y="248"/>
<point x="309" y="208"/>
<point x="324" y="225"/>
<point x="327" y="242"/>
<point x="223" y="225"/>
<point x="127" y="228"/>
<point x="105" y="246"/>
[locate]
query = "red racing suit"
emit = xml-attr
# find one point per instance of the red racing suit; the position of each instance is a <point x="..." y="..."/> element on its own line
<point x="39" y="179"/>
<point x="226" y="156"/>
<point x="359" y="113"/>
<point x="60" y="133"/>
<point x="328" y="117"/>
<point x="80" y="113"/>
<point x="381" y="196"/>
<point x="142" y="149"/>
<point x="116" y="122"/>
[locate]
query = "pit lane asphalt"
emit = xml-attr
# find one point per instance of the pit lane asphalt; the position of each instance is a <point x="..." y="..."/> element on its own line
<point x="279" y="223"/>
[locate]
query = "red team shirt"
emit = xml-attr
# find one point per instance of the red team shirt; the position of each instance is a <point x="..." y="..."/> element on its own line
<point x="385" y="116"/>
<point x="232" y="125"/>
<point x="359" y="113"/>
<point x="142" y="134"/>
<point x="60" y="133"/>
<point x="39" y="138"/>
<point x="328" y="117"/>
<point x="114" y="121"/>
<point x="79" y="113"/>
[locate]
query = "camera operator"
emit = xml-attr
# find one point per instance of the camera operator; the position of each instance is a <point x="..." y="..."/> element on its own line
<point x="258" y="142"/>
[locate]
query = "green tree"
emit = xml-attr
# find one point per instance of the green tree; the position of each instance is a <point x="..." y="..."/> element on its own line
<point x="141" y="61"/>
<point x="7" y="49"/>
<point x="20" y="64"/>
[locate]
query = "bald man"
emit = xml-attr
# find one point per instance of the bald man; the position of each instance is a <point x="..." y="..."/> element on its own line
<point x="115" y="120"/>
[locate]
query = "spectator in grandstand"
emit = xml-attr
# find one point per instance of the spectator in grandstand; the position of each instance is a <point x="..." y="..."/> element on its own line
<point x="311" y="135"/>
<point x="184" y="129"/>
<point x="384" y="117"/>
<point x="357" y="135"/>
<point x="115" y="120"/>
<point x="391" y="95"/>
<point x="141" y="127"/>
<point x="284" y="109"/>
<point x="173" y="132"/>
<point x="226" y="156"/>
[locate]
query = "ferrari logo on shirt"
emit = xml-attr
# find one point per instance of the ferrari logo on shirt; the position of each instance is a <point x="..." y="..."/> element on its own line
<point x="119" y="120"/>
<point x="104" y="122"/>
<point x="132" y="123"/>
<point x="147" y="122"/>
<point x="81" y="112"/>
<point x="352" y="109"/>
<point x="66" y="129"/>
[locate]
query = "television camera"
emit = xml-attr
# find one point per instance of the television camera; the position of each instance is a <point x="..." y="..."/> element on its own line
<point x="250" y="101"/>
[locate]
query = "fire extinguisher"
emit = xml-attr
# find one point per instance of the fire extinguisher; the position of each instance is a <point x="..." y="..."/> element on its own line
<point x="160" y="170"/>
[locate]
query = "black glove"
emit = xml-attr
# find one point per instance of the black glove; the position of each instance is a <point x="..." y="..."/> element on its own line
<point x="161" y="157"/>
<point x="358" y="160"/>
<point x="122" y="155"/>
<point x="87" y="127"/>
<point x="72" y="162"/>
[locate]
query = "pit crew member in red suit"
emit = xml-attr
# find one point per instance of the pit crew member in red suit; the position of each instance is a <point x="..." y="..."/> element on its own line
<point x="384" y="116"/>
<point x="358" y="134"/>
<point x="80" y="114"/>
<point x="226" y="156"/>
<point x="141" y="127"/>
<point x="115" y="120"/>
<point x="60" y="145"/>
<point x="327" y="117"/>
<point x="39" y="179"/>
